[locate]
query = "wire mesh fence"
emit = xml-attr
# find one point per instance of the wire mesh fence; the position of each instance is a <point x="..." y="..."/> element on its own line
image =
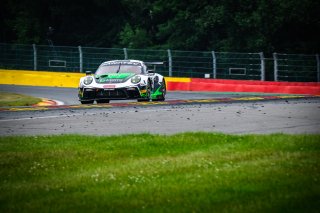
<point x="57" y="58"/>
<point x="191" y="64"/>
<point x="245" y="66"/>
<point x="196" y="64"/>
<point x="297" y="67"/>
<point x="93" y="57"/>
<point x="16" y="56"/>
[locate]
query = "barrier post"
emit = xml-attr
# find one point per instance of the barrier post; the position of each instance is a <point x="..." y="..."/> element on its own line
<point x="214" y="64"/>
<point x="318" y="67"/>
<point x="35" y="62"/>
<point x="275" y="66"/>
<point x="125" y="53"/>
<point x="170" y="62"/>
<point x="80" y="59"/>
<point x="263" y="70"/>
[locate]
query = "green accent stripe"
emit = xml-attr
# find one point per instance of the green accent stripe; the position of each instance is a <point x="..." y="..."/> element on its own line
<point x="156" y="93"/>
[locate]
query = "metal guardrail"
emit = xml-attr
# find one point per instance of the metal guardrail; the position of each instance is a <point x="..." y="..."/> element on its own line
<point x="206" y="64"/>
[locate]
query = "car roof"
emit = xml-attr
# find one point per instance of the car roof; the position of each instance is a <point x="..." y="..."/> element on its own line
<point x="133" y="62"/>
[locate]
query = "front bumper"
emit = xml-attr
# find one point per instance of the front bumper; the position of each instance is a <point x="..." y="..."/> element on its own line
<point x="111" y="94"/>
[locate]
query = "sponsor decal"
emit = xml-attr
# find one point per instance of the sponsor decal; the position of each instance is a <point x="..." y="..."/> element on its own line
<point x="114" y="77"/>
<point x="111" y="81"/>
<point x="109" y="86"/>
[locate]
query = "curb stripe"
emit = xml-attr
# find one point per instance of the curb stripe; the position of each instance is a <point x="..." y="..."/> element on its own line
<point x="170" y="102"/>
<point x="47" y="102"/>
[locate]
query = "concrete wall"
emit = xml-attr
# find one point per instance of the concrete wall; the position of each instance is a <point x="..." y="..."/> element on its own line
<point x="71" y="80"/>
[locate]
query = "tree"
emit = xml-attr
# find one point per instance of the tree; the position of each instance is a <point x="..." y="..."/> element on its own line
<point x="134" y="37"/>
<point x="223" y="25"/>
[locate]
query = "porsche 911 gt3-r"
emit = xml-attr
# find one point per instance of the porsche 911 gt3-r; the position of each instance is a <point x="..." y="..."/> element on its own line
<point x="122" y="79"/>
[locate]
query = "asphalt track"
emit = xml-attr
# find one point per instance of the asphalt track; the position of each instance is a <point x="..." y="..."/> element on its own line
<point x="244" y="116"/>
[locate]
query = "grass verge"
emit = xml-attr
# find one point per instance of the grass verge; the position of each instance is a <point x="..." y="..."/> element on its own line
<point x="13" y="99"/>
<point x="200" y="172"/>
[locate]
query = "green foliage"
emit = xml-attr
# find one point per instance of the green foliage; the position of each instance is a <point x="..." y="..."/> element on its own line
<point x="198" y="172"/>
<point x="13" y="99"/>
<point x="224" y="25"/>
<point x="134" y="38"/>
<point x="26" y="29"/>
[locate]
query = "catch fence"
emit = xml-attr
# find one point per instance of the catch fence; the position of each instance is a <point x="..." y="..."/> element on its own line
<point x="206" y="64"/>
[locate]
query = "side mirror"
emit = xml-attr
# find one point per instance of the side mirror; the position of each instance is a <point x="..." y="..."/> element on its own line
<point x="88" y="72"/>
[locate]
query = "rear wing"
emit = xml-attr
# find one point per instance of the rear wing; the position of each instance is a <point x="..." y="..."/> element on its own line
<point x="154" y="65"/>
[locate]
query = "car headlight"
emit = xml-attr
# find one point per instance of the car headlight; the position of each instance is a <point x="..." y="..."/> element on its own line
<point x="88" y="80"/>
<point x="136" y="79"/>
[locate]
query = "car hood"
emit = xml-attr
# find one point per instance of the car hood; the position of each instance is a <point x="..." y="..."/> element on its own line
<point x="113" y="77"/>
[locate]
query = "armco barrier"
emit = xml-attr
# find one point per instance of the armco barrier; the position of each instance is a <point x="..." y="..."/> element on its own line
<point x="71" y="80"/>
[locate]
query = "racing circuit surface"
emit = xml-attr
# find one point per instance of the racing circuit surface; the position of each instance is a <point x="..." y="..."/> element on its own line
<point x="286" y="115"/>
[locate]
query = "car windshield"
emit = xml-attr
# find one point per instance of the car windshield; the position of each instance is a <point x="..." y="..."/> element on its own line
<point x="119" y="68"/>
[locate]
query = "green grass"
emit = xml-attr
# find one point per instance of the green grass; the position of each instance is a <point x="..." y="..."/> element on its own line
<point x="13" y="99"/>
<point x="191" y="172"/>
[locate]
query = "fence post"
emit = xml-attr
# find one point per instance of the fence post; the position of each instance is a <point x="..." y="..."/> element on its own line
<point x="35" y="62"/>
<point x="125" y="53"/>
<point x="214" y="63"/>
<point x="318" y="67"/>
<point x="170" y="62"/>
<point x="263" y="70"/>
<point x="80" y="59"/>
<point x="275" y="66"/>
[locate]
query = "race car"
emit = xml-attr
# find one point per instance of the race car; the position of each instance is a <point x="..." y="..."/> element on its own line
<point x="122" y="79"/>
